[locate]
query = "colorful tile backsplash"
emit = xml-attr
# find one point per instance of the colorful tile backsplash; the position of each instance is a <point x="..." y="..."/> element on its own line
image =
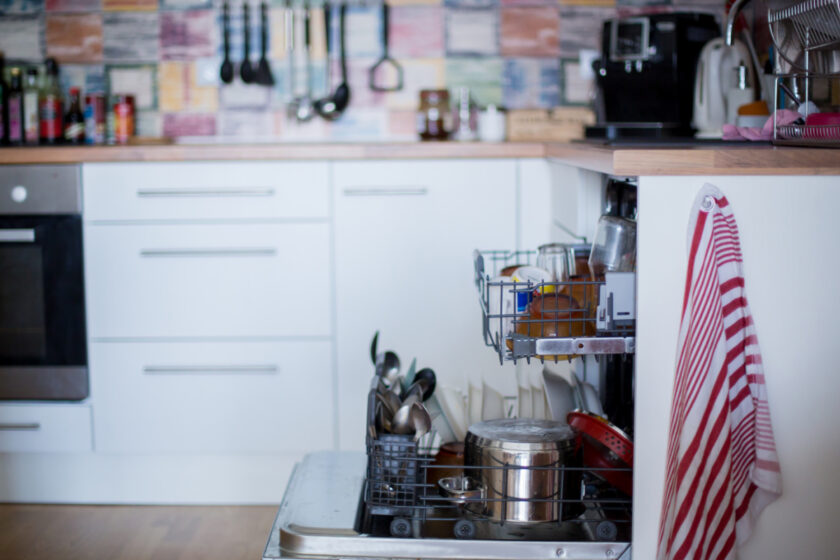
<point x="521" y="54"/>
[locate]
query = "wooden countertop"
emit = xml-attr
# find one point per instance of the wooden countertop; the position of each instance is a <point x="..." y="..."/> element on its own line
<point x="728" y="159"/>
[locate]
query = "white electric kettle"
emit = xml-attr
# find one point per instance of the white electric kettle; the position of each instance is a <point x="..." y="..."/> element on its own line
<point x="716" y="75"/>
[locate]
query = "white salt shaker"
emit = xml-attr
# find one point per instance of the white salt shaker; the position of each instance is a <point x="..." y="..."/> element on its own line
<point x="491" y="125"/>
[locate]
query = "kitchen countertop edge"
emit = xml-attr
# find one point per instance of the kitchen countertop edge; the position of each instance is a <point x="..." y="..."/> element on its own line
<point x="718" y="159"/>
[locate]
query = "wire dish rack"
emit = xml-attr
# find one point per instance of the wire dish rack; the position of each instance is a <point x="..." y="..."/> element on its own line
<point x="806" y="36"/>
<point x="548" y="320"/>
<point x="403" y="498"/>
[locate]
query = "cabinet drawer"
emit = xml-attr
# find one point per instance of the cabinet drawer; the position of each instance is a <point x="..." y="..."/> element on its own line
<point x="198" y="280"/>
<point x="198" y="190"/>
<point x="418" y="179"/>
<point x="232" y="397"/>
<point x="44" y="428"/>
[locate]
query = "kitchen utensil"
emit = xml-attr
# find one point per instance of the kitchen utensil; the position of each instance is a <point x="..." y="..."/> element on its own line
<point x="263" y="75"/>
<point x="452" y="404"/>
<point x="304" y="106"/>
<point x="246" y="71"/>
<point x="461" y="489"/>
<point x="522" y="462"/>
<point x="424" y="382"/>
<point x="614" y="246"/>
<point x="226" y="70"/>
<point x="333" y="106"/>
<point x="605" y="449"/>
<point x="559" y="395"/>
<point x="411" y="418"/>
<point x="714" y="78"/>
<point x="385" y="66"/>
<point x="408" y="378"/>
<point x="492" y="403"/>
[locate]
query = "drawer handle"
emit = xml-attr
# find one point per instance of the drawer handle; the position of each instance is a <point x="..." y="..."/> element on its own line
<point x="231" y="252"/>
<point x="17" y="235"/>
<point x="386" y="191"/>
<point x="154" y="370"/>
<point x="20" y="427"/>
<point x="208" y="193"/>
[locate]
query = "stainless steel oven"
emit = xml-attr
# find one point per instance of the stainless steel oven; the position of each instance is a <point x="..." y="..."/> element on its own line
<point x="43" y="353"/>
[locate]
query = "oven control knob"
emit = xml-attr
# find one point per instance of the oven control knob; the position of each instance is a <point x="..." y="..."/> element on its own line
<point x="19" y="193"/>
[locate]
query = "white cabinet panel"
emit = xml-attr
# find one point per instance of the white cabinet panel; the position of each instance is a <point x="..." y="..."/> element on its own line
<point x="405" y="232"/>
<point x="232" y="397"/>
<point x="205" y="190"/>
<point x="44" y="428"/>
<point x="221" y="280"/>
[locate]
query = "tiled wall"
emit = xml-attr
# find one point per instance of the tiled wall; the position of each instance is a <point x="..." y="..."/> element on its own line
<point x="515" y="53"/>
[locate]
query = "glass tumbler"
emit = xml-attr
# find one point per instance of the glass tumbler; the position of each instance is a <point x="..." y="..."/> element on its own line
<point x="614" y="246"/>
<point x="557" y="260"/>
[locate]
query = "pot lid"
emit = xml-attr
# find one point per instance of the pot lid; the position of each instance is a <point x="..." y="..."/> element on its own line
<point x="528" y="432"/>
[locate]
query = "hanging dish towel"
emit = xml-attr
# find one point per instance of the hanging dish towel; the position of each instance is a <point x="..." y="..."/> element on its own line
<point x="722" y="468"/>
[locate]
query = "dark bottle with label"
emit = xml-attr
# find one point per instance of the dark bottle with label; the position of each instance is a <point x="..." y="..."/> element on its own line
<point x="74" y="122"/>
<point x="51" y="105"/>
<point x="31" y="92"/>
<point x="4" y="107"/>
<point x="15" y="102"/>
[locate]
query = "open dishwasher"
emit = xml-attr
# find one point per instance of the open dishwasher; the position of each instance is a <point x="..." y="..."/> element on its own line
<point x="527" y="488"/>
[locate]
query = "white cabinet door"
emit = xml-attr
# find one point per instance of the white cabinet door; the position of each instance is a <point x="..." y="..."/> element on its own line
<point x="405" y="232"/>
<point x="196" y="280"/>
<point x="205" y="190"/>
<point x="219" y="397"/>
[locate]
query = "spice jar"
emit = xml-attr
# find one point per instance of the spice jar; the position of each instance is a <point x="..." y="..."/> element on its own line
<point x="434" y="117"/>
<point x="122" y="114"/>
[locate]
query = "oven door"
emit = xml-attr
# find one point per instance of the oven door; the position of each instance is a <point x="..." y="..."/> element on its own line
<point x="43" y="354"/>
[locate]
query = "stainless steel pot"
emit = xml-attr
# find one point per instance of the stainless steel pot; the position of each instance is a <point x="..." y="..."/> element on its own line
<point x="519" y="462"/>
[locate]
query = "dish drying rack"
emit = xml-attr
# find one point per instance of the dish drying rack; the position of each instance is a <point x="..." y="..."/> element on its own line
<point x="806" y="35"/>
<point x="600" y="321"/>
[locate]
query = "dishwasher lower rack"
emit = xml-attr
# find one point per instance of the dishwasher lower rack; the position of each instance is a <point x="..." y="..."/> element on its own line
<point x="402" y="498"/>
<point x="319" y="517"/>
<point x="552" y="320"/>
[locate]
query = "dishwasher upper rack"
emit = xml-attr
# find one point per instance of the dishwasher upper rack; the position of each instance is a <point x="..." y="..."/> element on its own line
<point x="539" y="338"/>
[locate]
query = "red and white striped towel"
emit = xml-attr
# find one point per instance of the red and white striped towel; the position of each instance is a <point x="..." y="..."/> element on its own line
<point x="722" y="468"/>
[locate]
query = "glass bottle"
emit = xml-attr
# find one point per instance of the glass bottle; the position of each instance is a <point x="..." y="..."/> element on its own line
<point x="74" y="122"/>
<point x="51" y="106"/>
<point x="15" y="102"/>
<point x="434" y="117"/>
<point x="31" y="126"/>
<point x="4" y="107"/>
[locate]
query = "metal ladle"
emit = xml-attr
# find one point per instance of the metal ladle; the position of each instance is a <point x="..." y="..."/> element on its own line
<point x="300" y="107"/>
<point x="332" y="106"/>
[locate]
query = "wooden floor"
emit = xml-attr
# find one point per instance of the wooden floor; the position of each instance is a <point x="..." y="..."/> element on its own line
<point x="134" y="532"/>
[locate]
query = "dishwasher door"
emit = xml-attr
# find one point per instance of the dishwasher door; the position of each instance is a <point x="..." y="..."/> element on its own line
<point x="318" y="516"/>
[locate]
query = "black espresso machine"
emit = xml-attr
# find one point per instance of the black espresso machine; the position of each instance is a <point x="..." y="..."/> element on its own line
<point x="645" y="75"/>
